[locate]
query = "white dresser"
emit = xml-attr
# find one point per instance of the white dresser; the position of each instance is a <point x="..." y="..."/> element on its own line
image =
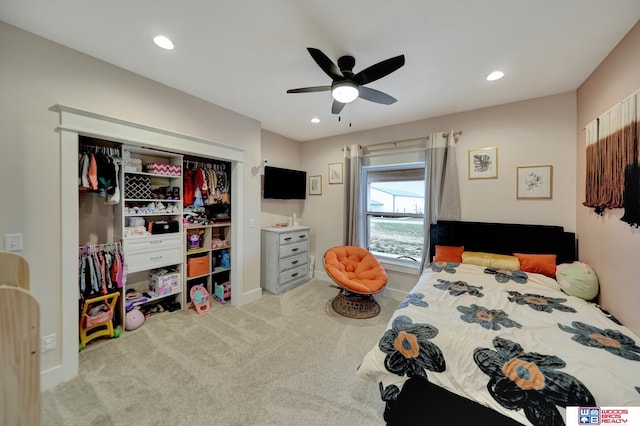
<point x="285" y="258"/>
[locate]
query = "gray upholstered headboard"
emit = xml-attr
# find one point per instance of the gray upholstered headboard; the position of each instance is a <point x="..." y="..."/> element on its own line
<point x="505" y="238"/>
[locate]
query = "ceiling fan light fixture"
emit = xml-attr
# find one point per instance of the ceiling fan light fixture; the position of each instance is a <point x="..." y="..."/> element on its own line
<point x="344" y="91"/>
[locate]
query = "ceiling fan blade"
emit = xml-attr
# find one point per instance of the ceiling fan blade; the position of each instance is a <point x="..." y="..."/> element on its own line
<point x="325" y="64"/>
<point x="336" y="107"/>
<point x="310" y="89"/>
<point x="379" y="70"/>
<point x="376" y="96"/>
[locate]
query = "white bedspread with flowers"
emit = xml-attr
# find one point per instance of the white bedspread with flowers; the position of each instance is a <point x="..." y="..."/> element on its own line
<point x="510" y="340"/>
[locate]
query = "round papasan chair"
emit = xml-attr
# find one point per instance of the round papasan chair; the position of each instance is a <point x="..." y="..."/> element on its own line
<point x="359" y="276"/>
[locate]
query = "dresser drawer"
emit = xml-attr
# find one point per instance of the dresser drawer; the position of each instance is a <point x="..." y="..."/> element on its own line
<point x="294" y="237"/>
<point x="291" y="249"/>
<point x="293" y="274"/>
<point x="293" y="262"/>
<point x="150" y="259"/>
<point x="159" y="242"/>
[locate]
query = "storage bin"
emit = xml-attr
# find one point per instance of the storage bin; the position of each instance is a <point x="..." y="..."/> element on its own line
<point x="197" y="265"/>
<point x="163" y="226"/>
<point x="163" y="169"/>
<point x="137" y="187"/>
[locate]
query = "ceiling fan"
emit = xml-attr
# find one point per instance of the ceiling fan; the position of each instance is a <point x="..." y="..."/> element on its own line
<point x="346" y="86"/>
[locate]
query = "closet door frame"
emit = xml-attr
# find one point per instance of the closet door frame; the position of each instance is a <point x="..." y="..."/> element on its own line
<point x="74" y="123"/>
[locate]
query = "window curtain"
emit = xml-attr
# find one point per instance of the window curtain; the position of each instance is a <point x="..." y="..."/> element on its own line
<point x="612" y="161"/>
<point x="442" y="192"/>
<point x="353" y="229"/>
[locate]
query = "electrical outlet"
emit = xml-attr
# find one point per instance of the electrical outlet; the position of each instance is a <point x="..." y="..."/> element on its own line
<point x="13" y="242"/>
<point x="49" y="343"/>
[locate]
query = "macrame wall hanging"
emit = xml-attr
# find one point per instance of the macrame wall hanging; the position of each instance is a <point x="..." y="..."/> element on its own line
<point x="613" y="171"/>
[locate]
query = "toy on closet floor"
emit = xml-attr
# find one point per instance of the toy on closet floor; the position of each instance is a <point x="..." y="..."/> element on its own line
<point x="200" y="299"/>
<point x="97" y="318"/>
<point x="222" y="292"/>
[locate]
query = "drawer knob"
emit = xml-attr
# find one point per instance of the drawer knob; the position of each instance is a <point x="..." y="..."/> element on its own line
<point x="295" y="249"/>
<point x="155" y="258"/>
<point x="294" y="275"/>
<point x="287" y="239"/>
<point x="294" y="262"/>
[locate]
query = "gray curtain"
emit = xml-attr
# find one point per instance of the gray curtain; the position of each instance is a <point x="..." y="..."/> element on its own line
<point x="442" y="193"/>
<point x="353" y="198"/>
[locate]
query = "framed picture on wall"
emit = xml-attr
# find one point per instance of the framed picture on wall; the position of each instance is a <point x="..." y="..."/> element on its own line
<point x="534" y="182"/>
<point x="483" y="163"/>
<point x="315" y="185"/>
<point x="335" y="173"/>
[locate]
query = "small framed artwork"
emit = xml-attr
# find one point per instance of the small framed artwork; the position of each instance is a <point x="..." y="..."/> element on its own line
<point x="534" y="182"/>
<point x="335" y="173"/>
<point x="315" y="185"/>
<point x="483" y="163"/>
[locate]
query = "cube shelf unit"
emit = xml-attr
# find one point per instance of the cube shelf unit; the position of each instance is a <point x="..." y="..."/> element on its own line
<point x="206" y="246"/>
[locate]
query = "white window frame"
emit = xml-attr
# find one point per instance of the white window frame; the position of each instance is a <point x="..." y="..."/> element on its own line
<point x="402" y="265"/>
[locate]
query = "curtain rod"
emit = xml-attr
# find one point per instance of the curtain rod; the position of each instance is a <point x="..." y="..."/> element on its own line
<point x="444" y="135"/>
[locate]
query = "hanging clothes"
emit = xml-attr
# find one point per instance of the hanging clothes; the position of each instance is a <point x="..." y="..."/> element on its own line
<point x="100" y="269"/>
<point x="99" y="170"/>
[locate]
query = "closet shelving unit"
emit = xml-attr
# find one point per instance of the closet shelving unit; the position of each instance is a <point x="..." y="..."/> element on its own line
<point x="152" y="236"/>
<point x="204" y="261"/>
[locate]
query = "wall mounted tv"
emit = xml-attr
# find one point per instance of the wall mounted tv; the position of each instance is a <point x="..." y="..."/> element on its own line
<point x="284" y="184"/>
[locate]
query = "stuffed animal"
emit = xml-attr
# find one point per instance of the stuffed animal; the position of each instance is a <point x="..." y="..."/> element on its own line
<point x="194" y="240"/>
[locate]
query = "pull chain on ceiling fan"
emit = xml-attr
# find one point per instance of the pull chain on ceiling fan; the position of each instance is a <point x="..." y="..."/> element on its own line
<point x="347" y="86"/>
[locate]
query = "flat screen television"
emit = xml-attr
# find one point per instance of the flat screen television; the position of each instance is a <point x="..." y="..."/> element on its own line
<point x="284" y="184"/>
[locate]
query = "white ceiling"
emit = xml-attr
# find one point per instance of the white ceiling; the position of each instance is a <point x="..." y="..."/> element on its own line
<point x="244" y="54"/>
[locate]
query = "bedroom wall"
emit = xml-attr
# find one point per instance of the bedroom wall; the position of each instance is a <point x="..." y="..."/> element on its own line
<point x="38" y="74"/>
<point x="533" y="132"/>
<point x="609" y="245"/>
<point x="280" y="151"/>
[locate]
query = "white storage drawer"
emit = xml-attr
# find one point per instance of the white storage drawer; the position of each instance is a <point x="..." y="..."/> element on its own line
<point x="291" y="249"/>
<point x="293" y="262"/>
<point x="293" y="274"/>
<point x="294" y="237"/>
<point x="153" y="252"/>
<point x="139" y="261"/>
<point x="155" y="242"/>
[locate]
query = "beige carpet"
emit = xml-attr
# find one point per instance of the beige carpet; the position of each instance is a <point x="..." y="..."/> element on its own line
<point x="283" y="360"/>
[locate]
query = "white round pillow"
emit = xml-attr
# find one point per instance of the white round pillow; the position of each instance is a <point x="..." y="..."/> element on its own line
<point x="578" y="279"/>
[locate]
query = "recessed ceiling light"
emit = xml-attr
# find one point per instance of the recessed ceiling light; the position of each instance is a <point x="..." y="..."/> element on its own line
<point x="163" y="42"/>
<point x="315" y="120"/>
<point x="496" y="75"/>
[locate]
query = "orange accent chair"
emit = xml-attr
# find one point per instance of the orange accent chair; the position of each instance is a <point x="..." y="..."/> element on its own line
<point x="359" y="276"/>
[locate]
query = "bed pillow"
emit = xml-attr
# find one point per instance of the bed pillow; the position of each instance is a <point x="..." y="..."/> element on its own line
<point x="448" y="254"/>
<point x="578" y="279"/>
<point x="491" y="260"/>
<point x="544" y="264"/>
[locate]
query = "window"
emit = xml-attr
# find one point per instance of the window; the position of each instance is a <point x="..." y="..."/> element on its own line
<point x="394" y="212"/>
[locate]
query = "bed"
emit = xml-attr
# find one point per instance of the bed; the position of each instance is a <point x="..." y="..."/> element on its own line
<point x="482" y="344"/>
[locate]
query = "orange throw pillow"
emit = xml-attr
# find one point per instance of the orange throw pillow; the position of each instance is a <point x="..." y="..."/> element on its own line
<point x="448" y="254"/>
<point x="539" y="263"/>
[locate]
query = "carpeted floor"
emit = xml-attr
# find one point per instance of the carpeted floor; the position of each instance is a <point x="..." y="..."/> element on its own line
<point x="283" y="360"/>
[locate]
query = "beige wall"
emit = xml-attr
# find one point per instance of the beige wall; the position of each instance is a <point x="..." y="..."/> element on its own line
<point x="38" y="74"/>
<point x="280" y="151"/>
<point x="608" y="244"/>
<point x="533" y="132"/>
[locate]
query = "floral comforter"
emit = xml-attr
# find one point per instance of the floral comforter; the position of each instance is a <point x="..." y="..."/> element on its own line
<point x="510" y="340"/>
